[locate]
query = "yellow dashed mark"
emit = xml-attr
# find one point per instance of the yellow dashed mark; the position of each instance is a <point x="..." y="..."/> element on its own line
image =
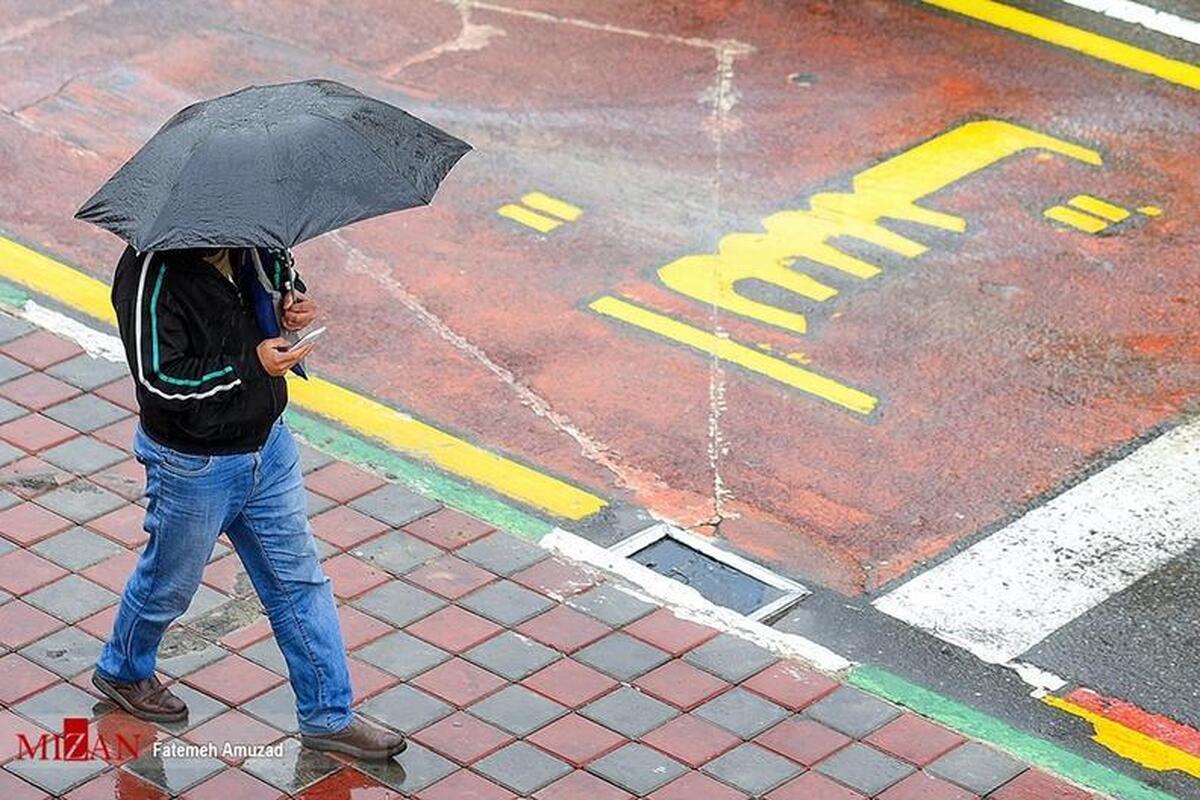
<point x="556" y="212"/>
<point x="1076" y="219"/>
<point x="1094" y="205"/>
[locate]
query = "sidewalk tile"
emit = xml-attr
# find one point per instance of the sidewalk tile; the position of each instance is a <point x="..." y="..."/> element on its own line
<point x="83" y="455"/>
<point x="742" y="713"/>
<point x="448" y="529"/>
<point x="56" y="777"/>
<point x="463" y="738"/>
<point x="622" y="656"/>
<point x="80" y="501"/>
<point x="459" y="682"/>
<point x="405" y="709"/>
<point x="21" y="624"/>
<point x="71" y="598"/>
<point x="368" y="680"/>
<point x="10" y="410"/>
<point x="402" y="655"/>
<point x="464" y="785"/>
<point x="791" y="685"/>
<point x="266" y="653"/>
<point x="118" y="434"/>
<point x="522" y="768"/>
<point x="111" y="573"/>
<point x="568" y="682"/>
<point x="342" y="482"/>
<point x="359" y="628"/>
<point x="123" y="526"/>
<point x="580" y="785"/>
<point x="1034" y="784"/>
<point x="226" y="574"/>
<point x="450" y="577"/>
<point x="813" y="786"/>
<point x="48" y="708"/>
<point x="312" y="459"/>
<point x="315" y="503"/>
<point x="922" y="786"/>
<point x="127" y="479"/>
<point x="20" y="678"/>
<point x="637" y="768"/>
<point x="233" y="679"/>
<point x="864" y="769"/>
<point x="564" y="629"/>
<point x="410" y="772"/>
<point x="117" y="784"/>
<point x="232" y="783"/>
<point x="121" y="392"/>
<point x="517" y="710"/>
<point x="12" y="327"/>
<point x="453" y="629"/>
<point x="852" y="712"/>
<point x="21" y="571"/>
<point x="35" y="432"/>
<point x="10" y="454"/>
<point x="399" y="603"/>
<point x="506" y="603"/>
<point x="914" y="739"/>
<point x="556" y="578"/>
<point x="691" y="740"/>
<point x="31" y="476"/>
<point x="88" y="373"/>
<point x="730" y="658"/>
<point x="503" y="554"/>
<point x="27" y="523"/>
<point x="668" y="632"/>
<point x="397" y="552"/>
<point x="37" y="390"/>
<point x="511" y="655"/>
<point x="76" y="548"/>
<point x="611" y="605"/>
<point x="352" y="577"/>
<point x="697" y="786"/>
<point x="40" y="348"/>
<point x="297" y="770"/>
<point x="629" y="712"/>
<point x="344" y="527"/>
<point x="277" y="708"/>
<point x="394" y="505"/>
<point x="85" y="413"/>
<point x="804" y="741"/>
<point x="576" y="740"/>
<point x="99" y="624"/>
<point x="977" y="767"/>
<point x="753" y="769"/>
<point x="233" y="726"/>
<point x="680" y="684"/>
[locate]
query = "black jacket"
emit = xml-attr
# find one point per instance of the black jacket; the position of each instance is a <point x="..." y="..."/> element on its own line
<point x="191" y="344"/>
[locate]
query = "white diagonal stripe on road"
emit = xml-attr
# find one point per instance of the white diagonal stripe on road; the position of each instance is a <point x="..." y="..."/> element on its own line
<point x="1003" y="595"/>
<point x="1141" y="14"/>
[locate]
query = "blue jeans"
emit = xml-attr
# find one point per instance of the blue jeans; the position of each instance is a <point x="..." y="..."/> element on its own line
<point x="258" y="499"/>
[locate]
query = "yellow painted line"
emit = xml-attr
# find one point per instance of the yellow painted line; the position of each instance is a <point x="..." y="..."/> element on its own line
<point x="736" y="353"/>
<point x="530" y="219"/>
<point x="1081" y="41"/>
<point x="1150" y="211"/>
<point x="366" y="417"/>
<point x="552" y="205"/>
<point x="1094" y="205"/>
<point x="1131" y="744"/>
<point x="1076" y="219"/>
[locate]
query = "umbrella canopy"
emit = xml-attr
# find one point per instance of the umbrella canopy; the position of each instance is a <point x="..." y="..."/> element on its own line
<point x="272" y="166"/>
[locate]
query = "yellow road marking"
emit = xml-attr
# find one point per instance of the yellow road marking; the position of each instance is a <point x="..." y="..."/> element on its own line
<point x="1076" y="219"/>
<point x="1094" y="205"/>
<point x="736" y="353"/>
<point x="552" y="205"/>
<point x="1131" y="744"/>
<point x="367" y="417"/>
<point x="531" y="219"/>
<point x="1082" y="41"/>
<point x="1150" y="211"/>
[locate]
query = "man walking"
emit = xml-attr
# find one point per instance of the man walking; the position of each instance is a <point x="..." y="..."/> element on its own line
<point x="219" y="458"/>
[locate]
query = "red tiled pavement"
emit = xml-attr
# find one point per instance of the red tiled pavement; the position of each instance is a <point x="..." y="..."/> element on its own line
<point x="813" y="786"/>
<point x="21" y="571"/>
<point x="463" y="738"/>
<point x="232" y="784"/>
<point x="914" y="739"/>
<point x="581" y="785"/>
<point x="31" y="476"/>
<point x="450" y="577"/>
<point x="123" y="525"/>
<point x="921" y="786"/>
<point x="557" y="578"/>
<point x="37" y="390"/>
<point x="20" y="677"/>
<point x="449" y="529"/>
<point x="564" y="629"/>
<point x="368" y="680"/>
<point x="791" y="685"/>
<point x="233" y="679"/>
<point x="352" y="577"/>
<point x="454" y="629"/>
<point x="692" y="740"/>
<point x="804" y="741"/>
<point x="576" y="740"/>
<point x="233" y="726"/>
<point x="668" y="632"/>
<point x="359" y="628"/>
<point x="343" y="527"/>
<point x="680" y="684"/>
<point x="35" y="432"/>
<point x="459" y="682"/>
<point x="1037" y="785"/>
<point x="569" y="682"/>
<point x="341" y="482"/>
<point x="464" y="785"/>
<point x="40" y="349"/>
<point x="27" y="523"/>
<point x="21" y="623"/>
<point x="696" y="786"/>
<point x="117" y="784"/>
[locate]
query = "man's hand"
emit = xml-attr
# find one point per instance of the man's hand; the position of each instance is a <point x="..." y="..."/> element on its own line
<point x="277" y="362"/>
<point x="299" y="310"/>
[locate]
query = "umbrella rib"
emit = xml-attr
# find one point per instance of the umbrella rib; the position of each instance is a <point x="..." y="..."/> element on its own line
<point x="341" y="123"/>
<point x="283" y="204"/>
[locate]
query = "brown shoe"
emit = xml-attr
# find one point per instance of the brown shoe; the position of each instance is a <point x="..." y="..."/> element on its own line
<point x="146" y="699"/>
<point x="360" y="739"/>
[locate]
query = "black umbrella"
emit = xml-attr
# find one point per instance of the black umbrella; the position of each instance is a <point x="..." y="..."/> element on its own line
<point x="272" y="166"/>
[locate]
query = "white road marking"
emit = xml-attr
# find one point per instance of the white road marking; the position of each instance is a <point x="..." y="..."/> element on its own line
<point x="1141" y="14"/>
<point x="97" y="343"/>
<point x="689" y="604"/>
<point x="1006" y="593"/>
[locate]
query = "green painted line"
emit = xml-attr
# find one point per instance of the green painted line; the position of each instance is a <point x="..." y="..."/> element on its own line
<point x="420" y="477"/>
<point x="12" y="295"/>
<point x="977" y="725"/>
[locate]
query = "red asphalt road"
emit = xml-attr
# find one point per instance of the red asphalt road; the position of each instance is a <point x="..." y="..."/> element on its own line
<point x="1006" y="359"/>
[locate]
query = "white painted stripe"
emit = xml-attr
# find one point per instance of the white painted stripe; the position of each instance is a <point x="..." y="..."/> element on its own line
<point x="1009" y="591"/>
<point x="689" y="604"/>
<point x="1141" y="14"/>
<point x="97" y="343"/>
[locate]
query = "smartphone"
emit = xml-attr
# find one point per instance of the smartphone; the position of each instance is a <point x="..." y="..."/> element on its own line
<point x="311" y="336"/>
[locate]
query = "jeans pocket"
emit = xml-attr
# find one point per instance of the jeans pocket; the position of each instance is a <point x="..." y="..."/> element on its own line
<point x="186" y="465"/>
